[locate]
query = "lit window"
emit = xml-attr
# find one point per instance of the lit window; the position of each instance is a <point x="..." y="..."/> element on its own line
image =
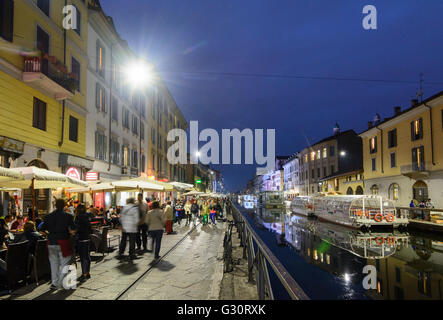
<point x="325" y="153"/>
<point x="312" y="155"/>
<point x="318" y="155"/>
<point x="306" y="158"/>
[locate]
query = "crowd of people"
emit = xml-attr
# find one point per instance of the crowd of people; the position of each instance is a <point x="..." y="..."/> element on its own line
<point x="138" y="220"/>
<point x="422" y="204"/>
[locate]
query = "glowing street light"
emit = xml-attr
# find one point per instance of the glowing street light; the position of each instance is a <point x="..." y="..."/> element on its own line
<point x="343" y="153"/>
<point x="138" y="74"/>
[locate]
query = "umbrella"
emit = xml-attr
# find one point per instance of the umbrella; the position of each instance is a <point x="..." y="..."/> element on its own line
<point x="126" y="185"/>
<point x="37" y="178"/>
<point x="183" y="186"/>
<point x="166" y="186"/>
<point x="94" y="188"/>
<point x="9" y="174"/>
<point x="193" y="193"/>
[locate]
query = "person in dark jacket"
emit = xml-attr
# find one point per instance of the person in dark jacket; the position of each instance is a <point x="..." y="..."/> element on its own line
<point x="31" y="235"/>
<point x="83" y="226"/>
<point x="59" y="225"/>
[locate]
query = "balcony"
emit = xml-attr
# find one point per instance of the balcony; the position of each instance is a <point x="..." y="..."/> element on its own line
<point x="50" y="77"/>
<point x="416" y="171"/>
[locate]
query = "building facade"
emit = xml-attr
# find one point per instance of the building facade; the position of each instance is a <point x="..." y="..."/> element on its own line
<point x="291" y="176"/>
<point x="43" y="89"/>
<point x="333" y="155"/>
<point x="402" y="156"/>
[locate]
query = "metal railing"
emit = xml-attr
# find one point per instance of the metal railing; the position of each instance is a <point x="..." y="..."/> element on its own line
<point x="259" y="258"/>
<point x="415" y="167"/>
<point x="417" y="213"/>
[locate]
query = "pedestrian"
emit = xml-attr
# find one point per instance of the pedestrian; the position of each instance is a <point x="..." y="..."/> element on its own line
<point x="129" y="220"/>
<point x="219" y="209"/>
<point x="188" y="213"/>
<point x="212" y="211"/>
<point x="156" y="222"/>
<point x="194" y="211"/>
<point x="205" y="212"/>
<point x="169" y="215"/>
<point x="422" y="205"/>
<point x="83" y="225"/>
<point x="179" y="212"/>
<point x="142" y="228"/>
<point x="60" y="226"/>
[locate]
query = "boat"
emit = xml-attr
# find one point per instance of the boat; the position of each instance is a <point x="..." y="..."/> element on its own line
<point x="354" y="211"/>
<point x="270" y="199"/>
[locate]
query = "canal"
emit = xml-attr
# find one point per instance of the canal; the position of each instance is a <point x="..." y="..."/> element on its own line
<point x="327" y="260"/>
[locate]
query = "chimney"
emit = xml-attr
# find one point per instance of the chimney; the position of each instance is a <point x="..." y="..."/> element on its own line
<point x="414" y="102"/>
<point x="397" y="110"/>
<point x="336" y="129"/>
<point x="376" y="119"/>
<point x="369" y="124"/>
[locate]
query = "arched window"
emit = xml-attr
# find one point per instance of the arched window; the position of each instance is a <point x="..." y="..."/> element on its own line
<point x="374" y="190"/>
<point x="359" y="190"/>
<point x="350" y="191"/>
<point x="394" y="191"/>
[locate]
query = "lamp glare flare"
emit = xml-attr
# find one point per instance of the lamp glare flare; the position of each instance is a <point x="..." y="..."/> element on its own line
<point x="138" y="74"/>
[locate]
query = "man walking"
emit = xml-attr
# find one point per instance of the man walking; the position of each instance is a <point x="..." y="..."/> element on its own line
<point x="59" y="226"/>
<point x="169" y="215"/>
<point x="142" y="228"/>
<point x="129" y="220"/>
<point x="156" y="222"/>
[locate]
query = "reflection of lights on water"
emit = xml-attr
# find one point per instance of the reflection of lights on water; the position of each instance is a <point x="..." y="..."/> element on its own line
<point x="347" y="277"/>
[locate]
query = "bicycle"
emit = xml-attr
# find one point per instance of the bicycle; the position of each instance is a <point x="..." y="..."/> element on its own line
<point x="227" y="244"/>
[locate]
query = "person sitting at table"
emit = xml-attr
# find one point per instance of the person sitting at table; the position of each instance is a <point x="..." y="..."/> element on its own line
<point x="30" y="234"/>
<point x="17" y="224"/>
<point x="4" y="233"/>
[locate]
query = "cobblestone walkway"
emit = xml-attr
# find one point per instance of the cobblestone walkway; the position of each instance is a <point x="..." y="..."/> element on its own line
<point x="190" y="271"/>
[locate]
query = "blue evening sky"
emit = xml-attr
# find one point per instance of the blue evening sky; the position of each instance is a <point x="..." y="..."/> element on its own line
<point x="312" y="38"/>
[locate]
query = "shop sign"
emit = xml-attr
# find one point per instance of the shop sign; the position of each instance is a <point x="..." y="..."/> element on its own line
<point x="73" y="173"/>
<point x="91" y="176"/>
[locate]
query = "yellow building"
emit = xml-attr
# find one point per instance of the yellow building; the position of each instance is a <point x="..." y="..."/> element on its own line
<point x="43" y="86"/>
<point x="344" y="183"/>
<point x="403" y="156"/>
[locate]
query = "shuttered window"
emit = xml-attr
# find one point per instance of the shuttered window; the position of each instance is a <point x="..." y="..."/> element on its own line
<point x="7" y="20"/>
<point x="44" y="6"/>
<point x="75" y="66"/>
<point x="73" y="129"/>
<point x="39" y="114"/>
<point x="392" y="138"/>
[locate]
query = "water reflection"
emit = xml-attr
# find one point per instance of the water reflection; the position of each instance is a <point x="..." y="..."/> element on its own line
<point x="327" y="260"/>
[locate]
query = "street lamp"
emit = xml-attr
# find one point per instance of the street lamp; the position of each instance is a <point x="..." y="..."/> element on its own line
<point x="343" y="153"/>
<point x="138" y="73"/>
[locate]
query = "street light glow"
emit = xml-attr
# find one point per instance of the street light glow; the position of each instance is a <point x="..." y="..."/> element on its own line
<point x="343" y="153"/>
<point x="138" y="74"/>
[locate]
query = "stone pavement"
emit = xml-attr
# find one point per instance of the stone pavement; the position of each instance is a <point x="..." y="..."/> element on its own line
<point x="190" y="271"/>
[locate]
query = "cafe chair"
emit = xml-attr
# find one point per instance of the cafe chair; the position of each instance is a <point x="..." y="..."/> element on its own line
<point x="40" y="261"/>
<point x="17" y="263"/>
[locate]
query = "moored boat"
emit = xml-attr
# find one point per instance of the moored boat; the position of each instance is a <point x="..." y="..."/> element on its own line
<point x="350" y="210"/>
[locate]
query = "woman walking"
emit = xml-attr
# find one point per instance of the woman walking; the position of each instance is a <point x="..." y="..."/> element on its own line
<point x="188" y="212"/>
<point x="205" y="212"/>
<point x="83" y="225"/>
<point x="156" y="222"/>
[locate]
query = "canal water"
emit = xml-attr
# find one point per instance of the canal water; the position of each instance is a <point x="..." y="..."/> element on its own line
<point x="327" y="260"/>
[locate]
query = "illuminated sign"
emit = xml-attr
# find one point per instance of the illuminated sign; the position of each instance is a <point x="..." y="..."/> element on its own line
<point x="198" y="181"/>
<point x="91" y="176"/>
<point x="73" y="173"/>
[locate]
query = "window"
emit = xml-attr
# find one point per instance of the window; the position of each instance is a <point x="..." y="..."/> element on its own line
<point x="114" y="109"/>
<point x="392" y="138"/>
<point x="313" y="174"/>
<point x="7" y="20"/>
<point x="374" y="162"/>
<point x="332" y="169"/>
<point x="306" y="158"/>
<point x="115" y="151"/>
<point x="332" y="151"/>
<point x="318" y="172"/>
<point x="79" y="21"/>
<point x="394" y="190"/>
<point x="100" y="145"/>
<point x="44" y="6"/>
<point x="134" y="158"/>
<point x="397" y="274"/>
<point x="39" y="115"/>
<point x="312" y="155"/>
<point x="125" y="156"/>
<point x="324" y="172"/>
<point x="142" y="131"/>
<point x="398" y="293"/>
<point x="143" y="107"/>
<point x="100" y="98"/>
<point x="373" y="145"/>
<point x="75" y="68"/>
<point x="134" y="125"/>
<point x="336" y="184"/>
<point x="125" y="118"/>
<point x="418" y="155"/>
<point x="393" y="162"/>
<point x="318" y="155"/>
<point x="325" y="153"/>
<point x="73" y="129"/>
<point x="153" y="137"/>
<point x="143" y="163"/>
<point x="424" y="283"/>
<point x="374" y="190"/>
<point x="100" y="62"/>
<point x="417" y="129"/>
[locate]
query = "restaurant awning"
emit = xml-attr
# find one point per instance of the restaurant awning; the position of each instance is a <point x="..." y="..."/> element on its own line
<point x="136" y="185"/>
<point x="9" y="174"/>
<point x="41" y="179"/>
<point x="182" y="186"/>
<point x="167" y="186"/>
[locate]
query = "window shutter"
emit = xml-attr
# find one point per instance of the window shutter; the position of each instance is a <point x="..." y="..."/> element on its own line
<point x="96" y="145"/>
<point x="105" y="147"/>
<point x="97" y="96"/>
<point x="412" y="131"/>
<point x="7" y="20"/>
<point x="421" y="127"/>
<point x="395" y="138"/>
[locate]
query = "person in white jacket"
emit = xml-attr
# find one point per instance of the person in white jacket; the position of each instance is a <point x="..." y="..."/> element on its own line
<point x="129" y="219"/>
